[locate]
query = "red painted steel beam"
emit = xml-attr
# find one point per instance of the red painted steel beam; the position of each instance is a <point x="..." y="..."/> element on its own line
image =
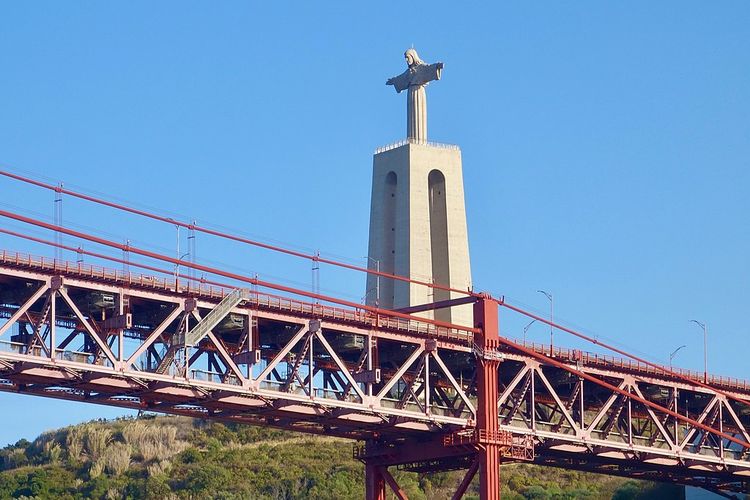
<point x="488" y="457"/>
<point x="417" y="451"/>
<point x="219" y="272"/>
<point x="400" y="494"/>
<point x="111" y="258"/>
<point x="442" y="304"/>
<point x="501" y="302"/>
<point x="551" y="361"/>
<point x="374" y="483"/>
<point x="466" y="481"/>
<point x="220" y="234"/>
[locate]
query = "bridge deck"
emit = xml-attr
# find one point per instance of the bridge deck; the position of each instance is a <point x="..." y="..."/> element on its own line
<point x="96" y="335"/>
<point x="357" y="317"/>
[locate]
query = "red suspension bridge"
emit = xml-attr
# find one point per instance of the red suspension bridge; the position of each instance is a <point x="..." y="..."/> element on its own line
<point x="415" y="393"/>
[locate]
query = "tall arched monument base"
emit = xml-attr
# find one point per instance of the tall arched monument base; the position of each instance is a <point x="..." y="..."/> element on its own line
<point x="418" y="228"/>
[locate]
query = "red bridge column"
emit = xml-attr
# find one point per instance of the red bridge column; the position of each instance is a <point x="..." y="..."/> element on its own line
<point x="374" y="483"/>
<point x="486" y="319"/>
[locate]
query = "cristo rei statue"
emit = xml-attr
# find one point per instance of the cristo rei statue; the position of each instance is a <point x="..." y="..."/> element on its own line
<point x="415" y="78"/>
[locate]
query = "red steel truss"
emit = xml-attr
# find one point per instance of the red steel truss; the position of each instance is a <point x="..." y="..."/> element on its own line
<point x="415" y="395"/>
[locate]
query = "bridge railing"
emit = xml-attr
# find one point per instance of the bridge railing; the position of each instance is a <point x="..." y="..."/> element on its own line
<point x="212" y="292"/>
<point x="404" y="142"/>
<point x="64" y="355"/>
<point x="610" y="361"/>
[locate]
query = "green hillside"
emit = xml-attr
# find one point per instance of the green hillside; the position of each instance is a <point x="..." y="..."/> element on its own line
<point x="181" y="458"/>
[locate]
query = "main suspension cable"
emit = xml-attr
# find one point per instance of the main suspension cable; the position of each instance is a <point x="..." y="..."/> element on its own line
<point x="234" y="276"/>
<point x="229" y="236"/>
<point x="82" y="251"/>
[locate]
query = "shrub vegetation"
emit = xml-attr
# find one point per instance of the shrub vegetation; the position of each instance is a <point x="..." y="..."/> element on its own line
<point x="180" y="458"/>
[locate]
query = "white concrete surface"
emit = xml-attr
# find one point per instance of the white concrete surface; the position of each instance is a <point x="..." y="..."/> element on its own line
<point x="418" y="227"/>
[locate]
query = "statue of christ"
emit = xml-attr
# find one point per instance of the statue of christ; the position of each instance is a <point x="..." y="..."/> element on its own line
<point x="415" y="78"/>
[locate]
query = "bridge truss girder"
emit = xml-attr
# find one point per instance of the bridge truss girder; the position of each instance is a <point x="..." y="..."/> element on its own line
<point x="262" y="365"/>
<point x="115" y="339"/>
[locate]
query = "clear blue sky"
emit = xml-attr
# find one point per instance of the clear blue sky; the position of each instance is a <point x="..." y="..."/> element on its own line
<point x="606" y="146"/>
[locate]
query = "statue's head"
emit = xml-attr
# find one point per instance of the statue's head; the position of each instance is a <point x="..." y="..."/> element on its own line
<point x="412" y="58"/>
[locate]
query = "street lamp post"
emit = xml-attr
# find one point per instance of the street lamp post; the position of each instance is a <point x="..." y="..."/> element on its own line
<point x="551" y="299"/>
<point x="377" y="280"/>
<point x="177" y="270"/>
<point x="705" y="348"/>
<point x="673" y="354"/>
<point x="177" y="253"/>
<point x="526" y="329"/>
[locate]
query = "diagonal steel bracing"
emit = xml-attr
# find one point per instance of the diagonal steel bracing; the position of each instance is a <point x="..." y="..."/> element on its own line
<point x="89" y="329"/>
<point x="23" y="309"/>
<point x="354" y="385"/>
<point x="603" y="411"/>
<point x="409" y="392"/>
<point x="740" y="426"/>
<point x="701" y="419"/>
<point x="227" y="359"/>
<point x="206" y="332"/>
<point x="667" y="437"/>
<point x="560" y="406"/>
<point x="155" y="334"/>
<point x="298" y="362"/>
<point x="399" y="373"/>
<point x="512" y="385"/>
<point x="281" y="355"/>
<point x="43" y="320"/>
<point x="459" y="390"/>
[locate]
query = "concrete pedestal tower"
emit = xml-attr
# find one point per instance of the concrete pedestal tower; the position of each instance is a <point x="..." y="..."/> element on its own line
<point x="417" y="214"/>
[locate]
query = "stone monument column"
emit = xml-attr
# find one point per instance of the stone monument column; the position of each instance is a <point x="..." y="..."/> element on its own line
<point x="417" y="215"/>
<point x="416" y="114"/>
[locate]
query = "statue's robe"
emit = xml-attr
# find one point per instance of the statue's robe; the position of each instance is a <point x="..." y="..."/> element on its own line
<point x="420" y="74"/>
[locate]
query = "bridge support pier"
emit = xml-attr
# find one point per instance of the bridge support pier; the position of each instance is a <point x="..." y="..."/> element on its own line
<point x="376" y="479"/>
<point x="479" y="449"/>
<point x="466" y="481"/>
<point x="489" y="473"/>
<point x="488" y="363"/>
<point x="374" y="483"/>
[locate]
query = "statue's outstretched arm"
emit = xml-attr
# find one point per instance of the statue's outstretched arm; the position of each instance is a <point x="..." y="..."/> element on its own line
<point x="400" y="82"/>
